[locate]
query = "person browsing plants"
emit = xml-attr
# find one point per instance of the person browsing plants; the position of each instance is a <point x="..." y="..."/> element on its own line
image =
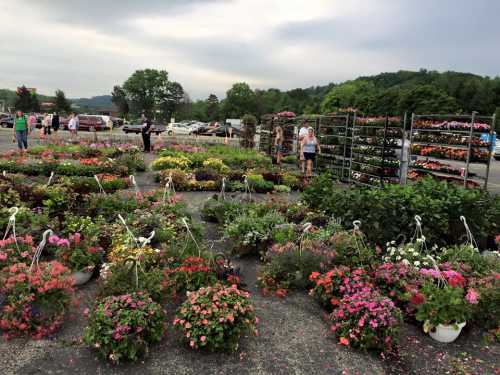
<point x="21" y="131"/>
<point x="308" y="149"/>
<point x="278" y="143"/>
<point x="302" y="135"/>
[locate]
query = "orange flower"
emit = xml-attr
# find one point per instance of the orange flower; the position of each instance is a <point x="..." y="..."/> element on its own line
<point x="344" y="341"/>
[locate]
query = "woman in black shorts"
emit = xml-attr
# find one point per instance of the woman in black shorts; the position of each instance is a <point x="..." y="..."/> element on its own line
<point x="308" y="149"/>
<point x="55" y="124"/>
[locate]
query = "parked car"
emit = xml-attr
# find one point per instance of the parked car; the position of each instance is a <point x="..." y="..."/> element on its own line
<point x="178" y="129"/>
<point x="156" y="129"/>
<point x="86" y="122"/>
<point x="7" y="121"/>
<point x="497" y="151"/>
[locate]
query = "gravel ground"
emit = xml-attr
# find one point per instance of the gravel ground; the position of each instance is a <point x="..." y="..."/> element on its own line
<point x="293" y="339"/>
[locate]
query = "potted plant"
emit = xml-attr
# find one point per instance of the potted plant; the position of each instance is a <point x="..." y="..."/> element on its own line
<point x="77" y="254"/>
<point x="122" y="328"/>
<point x="443" y="304"/>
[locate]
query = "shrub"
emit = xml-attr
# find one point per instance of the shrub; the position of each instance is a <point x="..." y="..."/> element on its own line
<point x="351" y="250"/>
<point x="216" y="317"/>
<point x="366" y="320"/>
<point x="259" y="185"/>
<point x="217" y="210"/>
<point x="390" y="211"/>
<point x="123" y="327"/>
<point x="35" y="300"/>
<point x="179" y="178"/>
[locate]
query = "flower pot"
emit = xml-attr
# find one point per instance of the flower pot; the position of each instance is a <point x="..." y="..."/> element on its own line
<point x="446" y="333"/>
<point x="82" y="277"/>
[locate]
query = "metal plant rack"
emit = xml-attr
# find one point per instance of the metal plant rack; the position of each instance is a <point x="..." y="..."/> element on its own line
<point x="446" y="146"/>
<point x="376" y="151"/>
<point x="334" y="135"/>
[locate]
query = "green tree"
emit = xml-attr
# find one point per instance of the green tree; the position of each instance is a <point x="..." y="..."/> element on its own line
<point x="240" y="99"/>
<point x="212" y="107"/>
<point x="61" y="104"/>
<point x="200" y="110"/>
<point x="119" y="98"/>
<point x="150" y="90"/>
<point x="26" y="101"/>
<point x="427" y="99"/>
<point x="357" y="94"/>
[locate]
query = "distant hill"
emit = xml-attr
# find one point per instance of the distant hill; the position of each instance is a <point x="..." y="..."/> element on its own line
<point x="95" y="102"/>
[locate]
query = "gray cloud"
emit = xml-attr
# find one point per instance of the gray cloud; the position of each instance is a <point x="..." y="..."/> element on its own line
<point x="348" y="40"/>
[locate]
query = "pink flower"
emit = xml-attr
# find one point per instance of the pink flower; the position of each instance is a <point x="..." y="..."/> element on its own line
<point x="53" y="240"/>
<point x="63" y="242"/>
<point x="472" y="296"/>
<point x="344" y="341"/>
<point x="203" y="338"/>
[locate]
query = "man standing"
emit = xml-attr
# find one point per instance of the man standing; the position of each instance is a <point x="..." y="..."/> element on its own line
<point x="55" y="124"/>
<point x="21" y="130"/>
<point x="146" y="134"/>
<point x="72" y="126"/>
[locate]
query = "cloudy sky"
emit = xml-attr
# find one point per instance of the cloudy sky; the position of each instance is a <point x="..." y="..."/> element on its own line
<point x="86" y="46"/>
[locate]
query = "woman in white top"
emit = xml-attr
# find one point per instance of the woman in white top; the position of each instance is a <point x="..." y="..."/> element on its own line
<point x="309" y="146"/>
<point x="302" y="135"/>
<point x="72" y="124"/>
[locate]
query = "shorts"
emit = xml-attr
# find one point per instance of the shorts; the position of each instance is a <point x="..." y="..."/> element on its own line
<point x="310" y="156"/>
<point x="55" y="127"/>
<point x="279" y="149"/>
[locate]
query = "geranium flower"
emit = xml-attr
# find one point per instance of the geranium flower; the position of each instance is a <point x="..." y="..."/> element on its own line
<point x="344" y="341"/>
<point x="417" y="299"/>
<point x="472" y="296"/>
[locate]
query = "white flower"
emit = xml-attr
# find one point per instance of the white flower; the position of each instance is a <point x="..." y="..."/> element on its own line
<point x="416" y="263"/>
<point x="406" y="262"/>
<point x="398" y="258"/>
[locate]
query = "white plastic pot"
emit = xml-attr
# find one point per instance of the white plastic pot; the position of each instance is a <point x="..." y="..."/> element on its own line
<point x="445" y="333"/>
<point x="82" y="277"/>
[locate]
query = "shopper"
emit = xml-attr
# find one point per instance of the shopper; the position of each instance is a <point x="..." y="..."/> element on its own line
<point x="56" y="122"/>
<point x="146" y="134"/>
<point x="302" y="135"/>
<point x="47" y="124"/>
<point x="278" y="143"/>
<point x="32" y="120"/>
<point x="309" y="147"/>
<point x="72" y="126"/>
<point x="21" y="130"/>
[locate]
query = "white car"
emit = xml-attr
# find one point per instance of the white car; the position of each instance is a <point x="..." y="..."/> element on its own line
<point x="497" y="151"/>
<point x="178" y="129"/>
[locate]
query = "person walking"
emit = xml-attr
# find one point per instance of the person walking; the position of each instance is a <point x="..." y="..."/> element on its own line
<point x="308" y="149"/>
<point x="21" y="130"/>
<point x="72" y="126"/>
<point x="47" y="124"/>
<point x="278" y="144"/>
<point x="302" y="135"/>
<point x="55" y="124"/>
<point x="146" y="134"/>
<point x="32" y="120"/>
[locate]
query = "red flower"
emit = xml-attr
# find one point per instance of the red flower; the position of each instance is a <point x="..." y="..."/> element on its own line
<point x="417" y="299"/>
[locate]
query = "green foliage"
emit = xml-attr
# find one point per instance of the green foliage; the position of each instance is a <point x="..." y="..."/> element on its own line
<point x="218" y="210"/>
<point x="240" y="99"/>
<point x="121" y="328"/>
<point x="390" y="211"/>
<point x="251" y="230"/>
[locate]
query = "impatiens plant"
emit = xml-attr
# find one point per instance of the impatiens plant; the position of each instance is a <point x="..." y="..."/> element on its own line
<point x="76" y="253"/>
<point x="366" y="320"/>
<point x="330" y="287"/>
<point x="35" y="300"/>
<point x="20" y="252"/>
<point x="122" y="328"/>
<point x="216" y="317"/>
